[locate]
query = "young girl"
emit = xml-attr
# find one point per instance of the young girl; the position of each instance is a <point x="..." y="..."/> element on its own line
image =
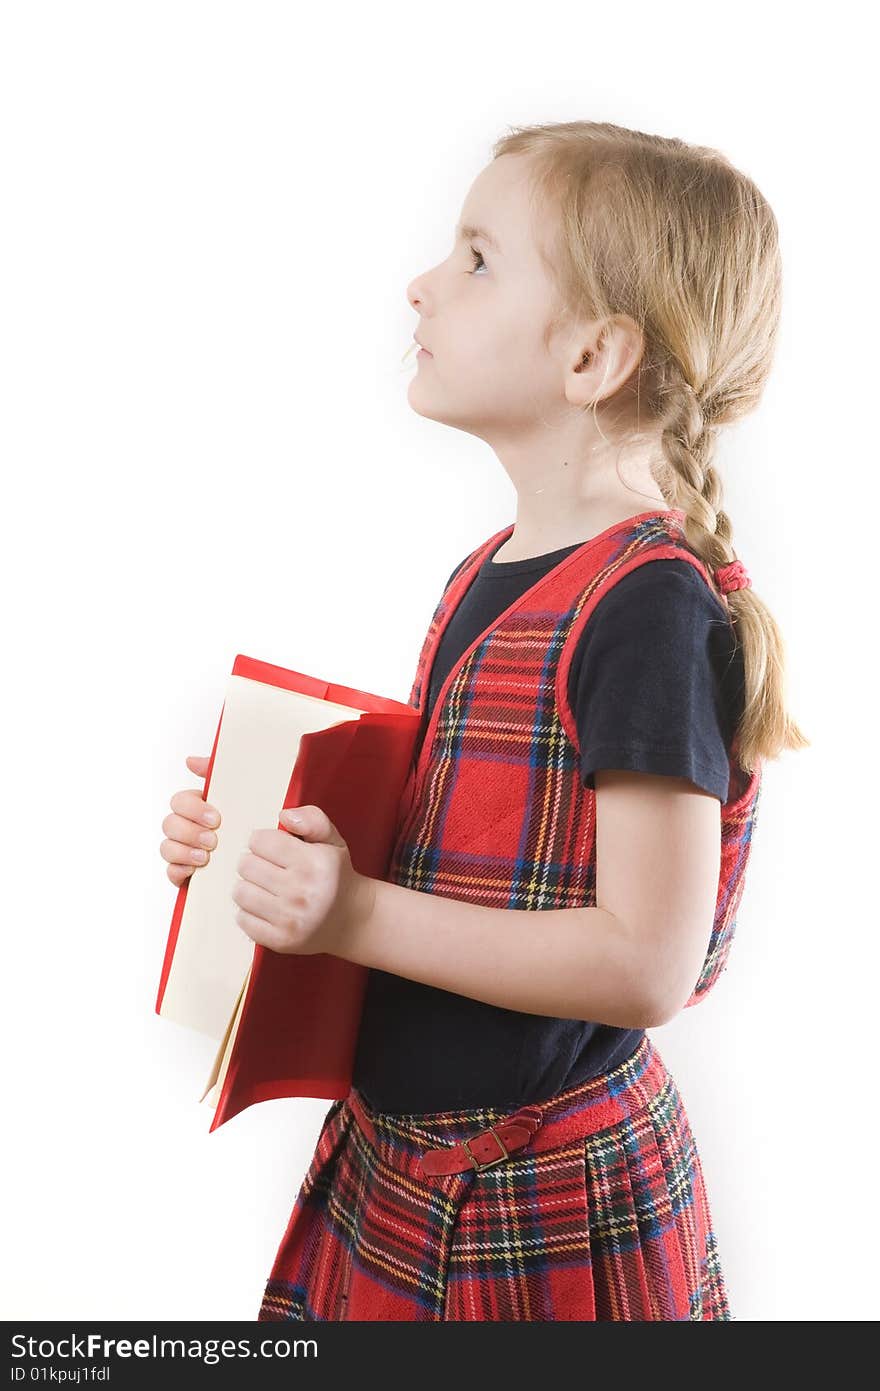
<point x="599" y="686"/>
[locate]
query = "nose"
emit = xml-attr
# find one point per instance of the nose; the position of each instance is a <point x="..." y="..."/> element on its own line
<point x="418" y="291"/>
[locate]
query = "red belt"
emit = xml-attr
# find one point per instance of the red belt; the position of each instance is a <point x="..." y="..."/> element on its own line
<point x="555" y="1124"/>
<point x="487" y="1147"/>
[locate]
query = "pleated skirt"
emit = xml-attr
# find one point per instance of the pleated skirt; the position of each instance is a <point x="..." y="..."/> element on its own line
<point x="602" y="1215"/>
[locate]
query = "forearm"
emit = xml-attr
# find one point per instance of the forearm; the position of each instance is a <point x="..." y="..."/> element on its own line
<point x="570" y="963"/>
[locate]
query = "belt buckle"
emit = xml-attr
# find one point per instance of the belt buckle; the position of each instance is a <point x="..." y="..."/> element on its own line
<point x="505" y="1153"/>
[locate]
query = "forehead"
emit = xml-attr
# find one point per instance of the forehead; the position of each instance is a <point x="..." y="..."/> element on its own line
<point x="501" y="200"/>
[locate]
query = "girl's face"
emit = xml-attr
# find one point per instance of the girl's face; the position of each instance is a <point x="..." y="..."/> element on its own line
<point x="482" y="316"/>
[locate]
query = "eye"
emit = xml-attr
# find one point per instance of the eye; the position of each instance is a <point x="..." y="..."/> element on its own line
<point x="477" y="257"/>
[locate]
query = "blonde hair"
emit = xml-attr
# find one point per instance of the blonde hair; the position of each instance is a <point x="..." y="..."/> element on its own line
<point x="674" y="237"/>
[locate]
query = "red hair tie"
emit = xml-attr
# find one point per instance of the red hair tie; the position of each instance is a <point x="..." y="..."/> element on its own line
<point x="732" y="576"/>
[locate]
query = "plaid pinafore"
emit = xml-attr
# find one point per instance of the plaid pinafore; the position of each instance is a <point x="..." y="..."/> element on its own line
<point x="585" y="1205"/>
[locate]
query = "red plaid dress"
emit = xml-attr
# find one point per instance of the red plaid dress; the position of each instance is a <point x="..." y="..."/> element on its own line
<point x="603" y="1214"/>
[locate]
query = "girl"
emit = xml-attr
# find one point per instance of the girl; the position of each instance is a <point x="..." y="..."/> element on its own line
<point x="599" y="687"/>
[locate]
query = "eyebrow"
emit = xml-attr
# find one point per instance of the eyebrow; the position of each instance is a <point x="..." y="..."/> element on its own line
<point x="468" y="231"/>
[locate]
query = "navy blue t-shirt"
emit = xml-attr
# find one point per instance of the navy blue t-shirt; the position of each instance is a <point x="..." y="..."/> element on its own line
<point x="656" y="685"/>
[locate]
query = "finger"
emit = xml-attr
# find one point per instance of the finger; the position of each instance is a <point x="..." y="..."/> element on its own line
<point x="178" y="874"/>
<point x="189" y="832"/>
<point x="197" y="764"/>
<point x="259" y="902"/>
<point x="259" y="931"/>
<point x="176" y="852"/>
<point x="263" y="873"/>
<point x="275" y="846"/>
<point x="311" y="823"/>
<point x="192" y="805"/>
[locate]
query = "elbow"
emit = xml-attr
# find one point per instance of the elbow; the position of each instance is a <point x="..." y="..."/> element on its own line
<point x="658" y="1013"/>
<point x="660" y="1007"/>
<point x="646" y="1009"/>
<point x="655" y="986"/>
<point x="660" y="1000"/>
<point x="661" y="987"/>
<point x="653" y="999"/>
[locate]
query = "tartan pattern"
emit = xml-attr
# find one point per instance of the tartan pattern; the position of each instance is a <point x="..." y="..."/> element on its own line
<point x="611" y="1224"/>
<point x="494" y="810"/>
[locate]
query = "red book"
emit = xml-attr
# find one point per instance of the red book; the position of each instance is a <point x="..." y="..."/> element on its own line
<point x="287" y="1024"/>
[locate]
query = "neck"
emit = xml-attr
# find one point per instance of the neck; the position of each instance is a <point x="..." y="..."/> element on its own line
<point x="537" y="532"/>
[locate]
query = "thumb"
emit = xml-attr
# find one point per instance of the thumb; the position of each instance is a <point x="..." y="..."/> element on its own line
<point x="312" y="824"/>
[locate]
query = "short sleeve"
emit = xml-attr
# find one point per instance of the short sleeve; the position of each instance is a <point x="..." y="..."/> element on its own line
<point x="655" y="678"/>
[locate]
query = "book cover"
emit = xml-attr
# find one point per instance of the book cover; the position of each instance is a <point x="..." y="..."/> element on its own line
<point x="286" y="1024"/>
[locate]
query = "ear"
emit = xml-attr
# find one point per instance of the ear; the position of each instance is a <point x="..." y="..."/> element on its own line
<point x="602" y="358"/>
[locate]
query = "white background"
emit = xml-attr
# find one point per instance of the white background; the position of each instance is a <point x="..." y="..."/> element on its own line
<point x="211" y="213"/>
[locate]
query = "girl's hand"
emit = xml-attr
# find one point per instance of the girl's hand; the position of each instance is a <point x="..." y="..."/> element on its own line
<point x="298" y="890"/>
<point x="189" y="838"/>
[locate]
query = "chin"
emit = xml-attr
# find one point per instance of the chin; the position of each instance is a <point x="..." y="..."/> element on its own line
<point x="421" y="407"/>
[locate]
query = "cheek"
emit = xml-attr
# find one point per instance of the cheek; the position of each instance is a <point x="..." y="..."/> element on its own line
<point x="507" y="354"/>
<point x="488" y="339"/>
<point x="490" y="333"/>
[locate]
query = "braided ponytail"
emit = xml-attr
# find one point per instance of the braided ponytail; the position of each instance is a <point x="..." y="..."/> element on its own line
<point x="677" y="239"/>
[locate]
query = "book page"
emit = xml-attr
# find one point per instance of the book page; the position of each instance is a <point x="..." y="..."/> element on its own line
<point x="224" y="1052"/>
<point x="256" y="750"/>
